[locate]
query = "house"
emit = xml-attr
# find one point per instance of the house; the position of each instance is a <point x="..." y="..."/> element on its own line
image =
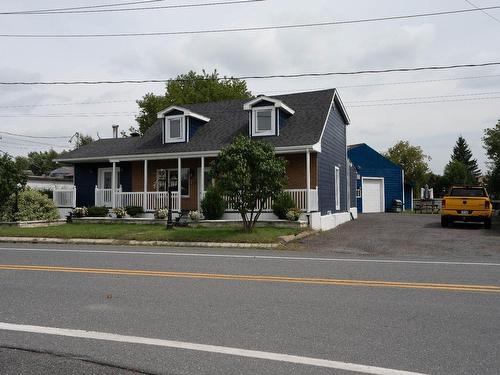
<point x="307" y="129"/>
<point x="379" y="180"/>
<point x="60" y="178"/>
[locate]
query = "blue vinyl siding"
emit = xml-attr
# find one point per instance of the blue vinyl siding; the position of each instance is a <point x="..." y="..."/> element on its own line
<point x="369" y="163"/>
<point x="333" y="153"/>
<point x="86" y="180"/>
<point x="353" y="182"/>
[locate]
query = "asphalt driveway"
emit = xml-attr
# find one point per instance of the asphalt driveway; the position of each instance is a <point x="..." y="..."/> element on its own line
<point x="412" y="235"/>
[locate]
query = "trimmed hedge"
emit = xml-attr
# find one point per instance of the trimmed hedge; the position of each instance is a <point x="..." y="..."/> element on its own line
<point x="134" y="211"/>
<point x="213" y="205"/>
<point x="283" y="203"/>
<point x="95" y="211"/>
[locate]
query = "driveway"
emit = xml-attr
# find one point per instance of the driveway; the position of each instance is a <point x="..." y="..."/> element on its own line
<point x="406" y="235"/>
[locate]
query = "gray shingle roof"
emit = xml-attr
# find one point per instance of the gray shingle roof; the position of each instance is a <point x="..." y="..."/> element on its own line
<point x="227" y="119"/>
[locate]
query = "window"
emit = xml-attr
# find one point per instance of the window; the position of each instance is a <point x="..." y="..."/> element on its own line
<point x="337" y="188"/>
<point x="264" y="121"/>
<point x="174" y="129"/>
<point x="163" y="177"/>
<point x="105" y="178"/>
<point x="358" y="193"/>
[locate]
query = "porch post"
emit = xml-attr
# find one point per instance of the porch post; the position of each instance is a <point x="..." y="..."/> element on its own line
<point x="308" y="180"/>
<point x="202" y="182"/>
<point x="145" y="196"/>
<point x="179" y="178"/>
<point x="113" y="186"/>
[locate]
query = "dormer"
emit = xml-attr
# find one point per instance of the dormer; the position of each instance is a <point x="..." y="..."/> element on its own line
<point x="265" y="114"/>
<point x="177" y="123"/>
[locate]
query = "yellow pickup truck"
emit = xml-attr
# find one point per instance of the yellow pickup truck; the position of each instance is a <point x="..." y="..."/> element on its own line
<point x="468" y="204"/>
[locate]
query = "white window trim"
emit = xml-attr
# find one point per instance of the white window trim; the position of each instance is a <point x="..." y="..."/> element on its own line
<point x="166" y="129"/>
<point x="337" y="188"/>
<point x="255" y="132"/>
<point x="168" y="178"/>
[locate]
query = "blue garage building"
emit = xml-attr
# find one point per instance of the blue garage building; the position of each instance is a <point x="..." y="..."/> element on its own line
<point x="379" y="181"/>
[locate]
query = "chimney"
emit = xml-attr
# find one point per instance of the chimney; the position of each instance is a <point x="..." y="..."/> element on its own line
<point x="115" y="131"/>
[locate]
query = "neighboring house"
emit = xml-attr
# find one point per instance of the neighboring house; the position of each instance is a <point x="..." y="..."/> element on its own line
<point x="379" y="180"/>
<point x="60" y="178"/>
<point x="307" y="129"/>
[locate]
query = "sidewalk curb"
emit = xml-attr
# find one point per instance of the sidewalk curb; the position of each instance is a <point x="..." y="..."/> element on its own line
<point x="90" y="241"/>
<point x="293" y="237"/>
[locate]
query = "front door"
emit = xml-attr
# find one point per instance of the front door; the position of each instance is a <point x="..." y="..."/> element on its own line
<point x="104" y="181"/>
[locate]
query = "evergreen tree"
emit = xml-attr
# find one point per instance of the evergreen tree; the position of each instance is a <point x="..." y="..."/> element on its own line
<point x="463" y="154"/>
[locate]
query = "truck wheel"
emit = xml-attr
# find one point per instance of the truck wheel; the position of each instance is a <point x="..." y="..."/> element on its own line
<point x="444" y="221"/>
<point x="487" y="223"/>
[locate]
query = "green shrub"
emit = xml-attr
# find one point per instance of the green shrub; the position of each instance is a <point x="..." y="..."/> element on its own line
<point x="213" y="205"/>
<point x="32" y="205"/>
<point x="134" y="211"/>
<point x="49" y="193"/>
<point x="95" y="211"/>
<point x="283" y="203"/>
<point x="293" y="214"/>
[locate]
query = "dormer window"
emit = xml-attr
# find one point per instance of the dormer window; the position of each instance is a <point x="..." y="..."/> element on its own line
<point x="264" y="120"/>
<point x="174" y="129"/>
<point x="266" y="115"/>
<point x="179" y="123"/>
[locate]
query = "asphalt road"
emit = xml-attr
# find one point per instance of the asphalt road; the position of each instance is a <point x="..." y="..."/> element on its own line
<point x="436" y="316"/>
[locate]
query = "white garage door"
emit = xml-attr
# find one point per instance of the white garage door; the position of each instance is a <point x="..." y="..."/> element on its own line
<point x="373" y="195"/>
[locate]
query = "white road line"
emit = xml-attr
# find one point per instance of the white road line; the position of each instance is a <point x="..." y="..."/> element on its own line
<point x="353" y="367"/>
<point x="241" y="256"/>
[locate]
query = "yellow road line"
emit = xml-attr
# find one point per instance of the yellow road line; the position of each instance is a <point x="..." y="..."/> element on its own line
<point x="262" y="278"/>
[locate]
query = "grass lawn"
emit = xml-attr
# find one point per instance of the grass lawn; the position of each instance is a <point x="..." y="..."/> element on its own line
<point x="147" y="232"/>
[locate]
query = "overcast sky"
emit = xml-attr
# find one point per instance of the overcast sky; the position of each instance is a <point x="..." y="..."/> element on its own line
<point x="451" y="39"/>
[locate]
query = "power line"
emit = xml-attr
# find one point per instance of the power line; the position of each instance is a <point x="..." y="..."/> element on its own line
<point x="482" y="10"/>
<point x="253" y="28"/>
<point x="425" y="97"/>
<point x="271" y="76"/>
<point x="176" y="6"/>
<point x="22" y="142"/>
<point x="36" y="137"/>
<point x="421" y="102"/>
<point x="86" y="7"/>
<point x="65" y="115"/>
<point x="67" y="104"/>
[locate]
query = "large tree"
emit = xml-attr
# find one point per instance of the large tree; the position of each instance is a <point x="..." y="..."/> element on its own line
<point x="248" y="173"/>
<point x="413" y="161"/>
<point x="491" y="141"/>
<point x="463" y="154"/>
<point x="457" y="173"/>
<point x="38" y="162"/>
<point x="187" y="89"/>
<point x="10" y="176"/>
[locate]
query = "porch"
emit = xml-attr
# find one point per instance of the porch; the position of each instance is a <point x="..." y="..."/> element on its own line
<point x="145" y="183"/>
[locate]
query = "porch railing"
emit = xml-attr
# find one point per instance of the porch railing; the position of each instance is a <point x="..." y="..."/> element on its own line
<point x="150" y="201"/>
<point x="299" y="196"/>
<point x="153" y="200"/>
<point x="64" y="198"/>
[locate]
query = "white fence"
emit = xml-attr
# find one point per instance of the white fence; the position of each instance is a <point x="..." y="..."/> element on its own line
<point x="299" y="196"/>
<point x="150" y="201"/>
<point x="64" y="198"/>
<point x="153" y="200"/>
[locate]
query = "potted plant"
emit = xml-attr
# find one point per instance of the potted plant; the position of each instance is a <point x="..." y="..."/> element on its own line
<point x="161" y="213"/>
<point x="293" y="214"/>
<point x="194" y="215"/>
<point x="120" y="212"/>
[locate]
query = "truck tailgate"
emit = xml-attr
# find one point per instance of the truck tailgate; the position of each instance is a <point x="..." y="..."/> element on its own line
<point x="465" y="203"/>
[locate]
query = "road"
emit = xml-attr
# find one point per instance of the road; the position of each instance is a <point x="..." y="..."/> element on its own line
<point x="195" y="311"/>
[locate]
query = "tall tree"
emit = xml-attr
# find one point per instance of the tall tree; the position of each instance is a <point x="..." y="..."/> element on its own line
<point x="457" y="173"/>
<point x="10" y="176"/>
<point x="463" y="154"/>
<point x="248" y="173"/>
<point x="38" y="162"/>
<point x="187" y="89"/>
<point x="81" y="139"/>
<point x="491" y="141"/>
<point x="413" y="161"/>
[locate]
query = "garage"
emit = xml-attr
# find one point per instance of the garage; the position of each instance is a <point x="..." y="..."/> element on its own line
<point x="373" y="194"/>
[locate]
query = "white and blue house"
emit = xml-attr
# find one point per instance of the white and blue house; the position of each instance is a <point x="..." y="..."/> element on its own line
<point x="379" y="181"/>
